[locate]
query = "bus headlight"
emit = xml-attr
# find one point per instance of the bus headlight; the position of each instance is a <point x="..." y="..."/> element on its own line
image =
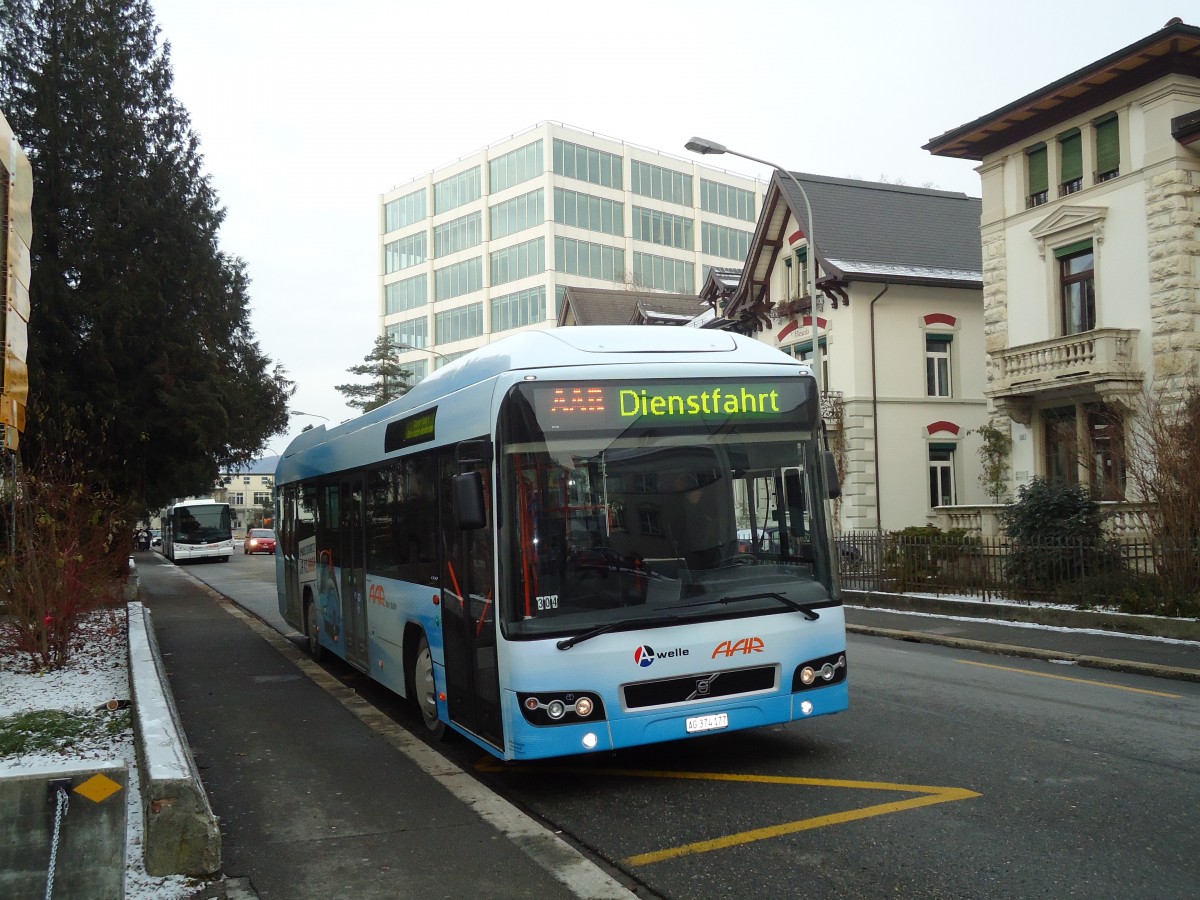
<point x="561" y="707"/>
<point x="819" y="672"/>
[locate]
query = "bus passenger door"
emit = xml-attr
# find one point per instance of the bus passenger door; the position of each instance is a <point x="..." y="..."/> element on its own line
<point x="469" y="614"/>
<point x="353" y="559"/>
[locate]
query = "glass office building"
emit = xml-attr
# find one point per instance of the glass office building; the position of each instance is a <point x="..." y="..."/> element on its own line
<point x="487" y="245"/>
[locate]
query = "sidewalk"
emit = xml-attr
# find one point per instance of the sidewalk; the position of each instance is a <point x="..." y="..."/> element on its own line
<point x="1074" y="637"/>
<point x="314" y="802"/>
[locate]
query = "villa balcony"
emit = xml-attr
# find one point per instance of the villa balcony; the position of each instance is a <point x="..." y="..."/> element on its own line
<point x="1102" y="363"/>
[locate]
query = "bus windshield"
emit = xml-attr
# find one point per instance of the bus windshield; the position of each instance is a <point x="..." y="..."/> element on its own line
<point x="204" y="523"/>
<point x="624" y="505"/>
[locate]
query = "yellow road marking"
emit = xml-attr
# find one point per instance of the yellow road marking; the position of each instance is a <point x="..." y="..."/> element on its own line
<point x="930" y="796"/>
<point x="1115" y="687"/>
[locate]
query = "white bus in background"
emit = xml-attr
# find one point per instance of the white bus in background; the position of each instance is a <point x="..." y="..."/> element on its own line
<point x="197" y="529"/>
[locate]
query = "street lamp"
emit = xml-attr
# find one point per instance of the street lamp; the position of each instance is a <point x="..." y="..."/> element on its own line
<point x="300" y="412"/>
<point x="704" y="148"/>
<point x="403" y="346"/>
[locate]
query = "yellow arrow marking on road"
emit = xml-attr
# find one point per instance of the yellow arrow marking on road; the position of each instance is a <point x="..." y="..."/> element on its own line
<point x="929" y="797"/>
<point x="1115" y="687"/>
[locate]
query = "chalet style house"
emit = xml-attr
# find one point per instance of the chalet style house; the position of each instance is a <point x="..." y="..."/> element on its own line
<point x="899" y="326"/>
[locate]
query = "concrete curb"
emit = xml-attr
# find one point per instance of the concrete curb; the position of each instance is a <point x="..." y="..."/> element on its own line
<point x="182" y="836"/>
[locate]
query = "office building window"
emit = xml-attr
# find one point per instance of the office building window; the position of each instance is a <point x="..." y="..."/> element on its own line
<point x="404" y="211"/>
<point x="941" y="475"/>
<point x="587" y="164"/>
<point x="458" y="234"/>
<point x="456" y="190"/>
<point x="515" y="166"/>
<point x="1037" y="177"/>
<point x="727" y="200"/>
<point x="719" y="240"/>
<point x="459" y="324"/>
<point x="662" y="273"/>
<point x="1077" y="285"/>
<point x="659" y="183"/>
<point x="518" y="261"/>
<point x="1108" y="148"/>
<point x="519" y="309"/>
<point x="458" y="279"/>
<point x="412" y="332"/>
<point x="410" y="251"/>
<point x="587" y="259"/>
<point x="937" y="365"/>
<point x="517" y="214"/>
<point x="1070" y="151"/>
<point x="262" y="498"/>
<point x="407" y="294"/>
<point x="237" y="499"/>
<point x="585" y="211"/>
<point x="658" y="227"/>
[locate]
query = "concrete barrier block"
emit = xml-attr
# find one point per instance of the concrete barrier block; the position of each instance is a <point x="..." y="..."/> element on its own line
<point x="182" y="836"/>
<point x="90" y="860"/>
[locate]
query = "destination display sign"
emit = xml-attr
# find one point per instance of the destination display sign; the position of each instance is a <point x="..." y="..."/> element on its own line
<point x="588" y="406"/>
<point x="409" y="431"/>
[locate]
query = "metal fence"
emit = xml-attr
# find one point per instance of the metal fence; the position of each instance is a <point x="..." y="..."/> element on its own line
<point x="1133" y="575"/>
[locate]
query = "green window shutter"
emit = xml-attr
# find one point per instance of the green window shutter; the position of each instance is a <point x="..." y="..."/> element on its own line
<point x="1072" y="249"/>
<point x="1036" y="159"/>
<point x="1071" y="147"/>
<point x="943" y="448"/>
<point x="1108" y="147"/>
<point x="939" y="337"/>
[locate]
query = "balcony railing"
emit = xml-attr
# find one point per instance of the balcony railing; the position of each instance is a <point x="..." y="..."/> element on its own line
<point x="1102" y="355"/>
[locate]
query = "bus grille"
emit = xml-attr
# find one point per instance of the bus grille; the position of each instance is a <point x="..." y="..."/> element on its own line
<point x="699" y="687"/>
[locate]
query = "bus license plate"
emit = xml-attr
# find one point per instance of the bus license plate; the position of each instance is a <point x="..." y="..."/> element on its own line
<point x="707" y="723"/>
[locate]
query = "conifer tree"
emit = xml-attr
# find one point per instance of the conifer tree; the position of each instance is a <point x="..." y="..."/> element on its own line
<point x="389" y="378"/>
<point x="139" y="321"/>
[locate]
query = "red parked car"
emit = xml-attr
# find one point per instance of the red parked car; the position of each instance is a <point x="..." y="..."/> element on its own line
<point x="259" y="540"/>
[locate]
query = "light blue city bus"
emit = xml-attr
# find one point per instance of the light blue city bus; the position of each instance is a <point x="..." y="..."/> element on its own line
<point x="554" y="545"/>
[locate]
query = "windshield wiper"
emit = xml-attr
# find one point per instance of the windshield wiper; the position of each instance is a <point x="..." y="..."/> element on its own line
<point x="804" y="609"/>
<point x="568" y="643"/>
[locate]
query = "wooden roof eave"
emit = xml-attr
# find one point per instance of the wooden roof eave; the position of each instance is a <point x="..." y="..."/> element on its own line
<point x="1175" y="49"/>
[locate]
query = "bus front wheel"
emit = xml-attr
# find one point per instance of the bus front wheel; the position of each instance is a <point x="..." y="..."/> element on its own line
<point x="425" y="690"/>
<point x="312" y="632"/>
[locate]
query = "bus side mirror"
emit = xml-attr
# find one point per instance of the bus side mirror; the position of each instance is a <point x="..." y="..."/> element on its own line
<point x="831" y="475"/>
<point x="470" y="513"/>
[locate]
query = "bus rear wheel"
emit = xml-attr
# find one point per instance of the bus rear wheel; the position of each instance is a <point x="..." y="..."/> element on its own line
<point x="425" y="691"/>
<point x="312" y="632"/>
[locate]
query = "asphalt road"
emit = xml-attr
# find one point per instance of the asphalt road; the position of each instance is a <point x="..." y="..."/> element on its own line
<point x="954" y="774"/>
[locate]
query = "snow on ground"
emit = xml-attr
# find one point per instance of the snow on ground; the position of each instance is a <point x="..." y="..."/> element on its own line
<point x="98" y="671"/>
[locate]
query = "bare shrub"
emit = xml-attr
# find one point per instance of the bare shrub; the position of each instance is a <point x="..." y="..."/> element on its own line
<point x="1164" y="468"/>
<point x="66" y="549"/>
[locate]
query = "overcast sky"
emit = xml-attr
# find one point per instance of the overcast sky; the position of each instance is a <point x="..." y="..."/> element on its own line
<point x="308" y="111"/>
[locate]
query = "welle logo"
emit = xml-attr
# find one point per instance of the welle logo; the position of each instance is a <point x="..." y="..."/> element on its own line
<point x="644" y="655"/>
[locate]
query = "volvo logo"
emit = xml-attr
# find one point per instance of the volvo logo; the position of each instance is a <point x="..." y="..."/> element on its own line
<point x="704" y="685"/>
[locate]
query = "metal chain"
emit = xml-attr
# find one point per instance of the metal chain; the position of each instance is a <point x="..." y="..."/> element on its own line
<point x="60" y="811"/>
